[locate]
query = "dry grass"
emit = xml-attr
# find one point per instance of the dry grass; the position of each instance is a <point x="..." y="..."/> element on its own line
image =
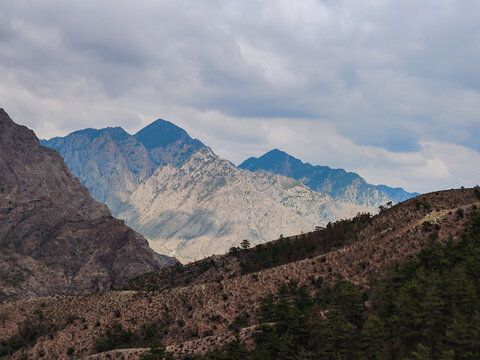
<point x="207" y="306"/>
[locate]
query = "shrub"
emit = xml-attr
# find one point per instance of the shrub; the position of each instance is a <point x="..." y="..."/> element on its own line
<point x="157" y="352"/>
<point x="240" y="322"/>
<point x="115" y="338"/>
<point x="476" y="191"/>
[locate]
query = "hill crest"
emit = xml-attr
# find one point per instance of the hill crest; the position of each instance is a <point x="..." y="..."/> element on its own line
<point x="196" y="308"/>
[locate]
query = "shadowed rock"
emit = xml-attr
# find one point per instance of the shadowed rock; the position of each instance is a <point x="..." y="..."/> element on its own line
<point x="54" y="237"/>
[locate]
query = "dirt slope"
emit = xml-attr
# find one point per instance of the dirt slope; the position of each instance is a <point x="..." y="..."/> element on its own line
<point x="197" y="316"/>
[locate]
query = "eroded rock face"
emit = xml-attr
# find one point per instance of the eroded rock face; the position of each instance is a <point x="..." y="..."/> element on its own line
<point x="54" y="237"/>
<point x="208" y="205"/>
<point x="187" y="201"/>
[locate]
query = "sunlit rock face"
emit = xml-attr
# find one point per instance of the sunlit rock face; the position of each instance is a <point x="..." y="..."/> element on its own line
<point x="186" y="200"/>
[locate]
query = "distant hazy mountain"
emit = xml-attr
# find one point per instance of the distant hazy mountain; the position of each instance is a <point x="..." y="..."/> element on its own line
<point x="396" y="194"/>
<point x="338" y="183"/>
<point x="185" y="199"/>
<point x="55" y="238"/>
<point x="109" y="162"/>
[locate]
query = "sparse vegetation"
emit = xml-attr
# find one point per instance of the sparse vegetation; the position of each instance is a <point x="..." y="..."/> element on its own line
<point x="425" y="308"/>
<point x="285" y="250"/>
<point x="116" y="337"/>
<point x="28" y="333"/>
<point x="427" y="226"/>
<point x="422" y="204"/>
<point x="3" y="297"/>
<point x="476" y="191"/>
<point x="216" y="303"/>
<point x="382" y="208"/>
<point x="263" y="256"/>
<point x="240" y="322"/>
<point x="157" y="351"/>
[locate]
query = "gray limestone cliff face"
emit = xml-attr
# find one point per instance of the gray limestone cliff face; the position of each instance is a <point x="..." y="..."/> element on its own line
<point x="109" y="162"/>
<point x="190" y="203"/>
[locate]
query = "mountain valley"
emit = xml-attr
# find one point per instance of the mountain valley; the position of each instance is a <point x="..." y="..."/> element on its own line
<point x="78" y="283"/>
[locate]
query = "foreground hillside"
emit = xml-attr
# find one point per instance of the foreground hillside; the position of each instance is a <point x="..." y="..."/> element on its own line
<point x="54" y="238"/>
<point x="187" y="201"/>
<point x="207" y="303"/>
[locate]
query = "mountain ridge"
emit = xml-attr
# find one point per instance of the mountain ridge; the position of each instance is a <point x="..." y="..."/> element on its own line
<point x="336" y="182"/>
<point x="201" y="220"/>
<point x="183" y="200"/>
<point x="191" y="203"/>
<point x="50" y="226"/>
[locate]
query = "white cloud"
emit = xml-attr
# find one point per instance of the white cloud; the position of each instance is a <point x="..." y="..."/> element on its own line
<point x="389" y="89"/>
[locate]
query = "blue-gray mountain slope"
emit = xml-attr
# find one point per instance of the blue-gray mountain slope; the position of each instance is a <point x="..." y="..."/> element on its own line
<point x="338" y="183"/>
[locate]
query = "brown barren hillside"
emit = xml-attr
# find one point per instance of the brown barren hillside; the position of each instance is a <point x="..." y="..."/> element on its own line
<point x="196" y="317"/>
<point x="54" y="238"/>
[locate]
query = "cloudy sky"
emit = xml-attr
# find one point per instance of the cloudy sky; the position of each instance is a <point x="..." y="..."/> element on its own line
<point x="390" y="89"/>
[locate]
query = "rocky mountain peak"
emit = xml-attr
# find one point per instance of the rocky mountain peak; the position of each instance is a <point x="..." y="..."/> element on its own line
<point x="162" y="133"/>
<point x="277" y="154"/>
<point x="280" y="156"/>
<point x="276" y="161"/>
<point x="15" y="135"/>
<point x="55" y="238"/>
<point x="167" y="143"/>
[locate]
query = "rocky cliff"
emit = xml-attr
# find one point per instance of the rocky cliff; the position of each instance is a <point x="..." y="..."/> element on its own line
<point x="55" y="238"/>
<point x="208" y="205"/>
<point x="186" y="200"/>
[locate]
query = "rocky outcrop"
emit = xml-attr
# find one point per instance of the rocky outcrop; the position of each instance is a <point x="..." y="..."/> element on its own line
<point x="55" y="238"/>
<point x="109" y="162"/>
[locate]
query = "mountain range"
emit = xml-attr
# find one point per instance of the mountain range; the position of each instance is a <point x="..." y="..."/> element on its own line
<point x="350" y="289"/>
<point x="341" y="185"/>
<point x="54" y="237"/>
<point x="190" y="203"/>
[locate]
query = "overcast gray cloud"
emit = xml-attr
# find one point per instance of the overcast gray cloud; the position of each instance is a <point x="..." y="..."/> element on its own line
<point x="390" y="89"/>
